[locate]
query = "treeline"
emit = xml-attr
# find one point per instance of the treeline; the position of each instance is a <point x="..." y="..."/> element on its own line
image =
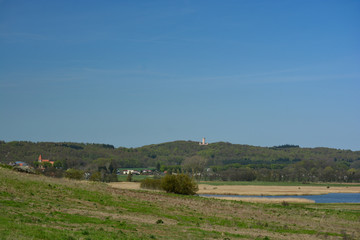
<point x="302" y="171"/>
<point x="217" y="160"/>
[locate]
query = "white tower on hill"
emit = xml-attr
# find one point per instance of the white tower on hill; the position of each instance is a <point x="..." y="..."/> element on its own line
<point x="203" y="142"/>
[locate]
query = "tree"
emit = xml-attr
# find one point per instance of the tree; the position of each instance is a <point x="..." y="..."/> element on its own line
<point x="57" y="164"/>
<point x="36" y="164"/>
<point x="180" y="184"/>
<point x="328" y="174"/>
<point x="95" y="176"/>
<point x="46" y="164"/>
<point x="158" y="166"/>
<point x="238" y="174"/>
<point x="103" y="163"/>
<point x="129" y="178"/>
<point x="195" y="164"/>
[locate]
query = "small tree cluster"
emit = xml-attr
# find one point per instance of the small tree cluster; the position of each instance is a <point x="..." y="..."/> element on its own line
<point x="110" y="177"/>
<point x="180" y="184"/>
<point x="129" y="178"/>
<point x="238" y="174"/>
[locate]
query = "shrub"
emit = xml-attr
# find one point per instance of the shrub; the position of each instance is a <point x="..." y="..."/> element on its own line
<point x="74" y="174"/>
<point x="150" y="183"/>
<point x="25" y="169"/>
<point x="95" y="176"/>
<point x="110" y="177"/>
<point x="5" y="166"/>
<point x="159" y="221"/>
<point x="181" y="184"/>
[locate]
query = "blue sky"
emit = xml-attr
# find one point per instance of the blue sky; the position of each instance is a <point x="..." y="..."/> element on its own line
<point x="133" y="73"/>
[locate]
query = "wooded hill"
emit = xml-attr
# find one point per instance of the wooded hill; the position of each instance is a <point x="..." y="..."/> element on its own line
<point x="180" y="155"/>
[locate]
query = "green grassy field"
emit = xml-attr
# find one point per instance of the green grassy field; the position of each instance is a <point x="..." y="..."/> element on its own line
<point x="36" y="207"/>
<point x="135" y="178"/>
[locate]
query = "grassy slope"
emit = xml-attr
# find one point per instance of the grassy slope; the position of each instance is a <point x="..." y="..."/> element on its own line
<point x="36" y="207"/>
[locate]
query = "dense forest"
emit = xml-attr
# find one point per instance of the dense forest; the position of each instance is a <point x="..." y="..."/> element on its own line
<point x="220" y="160"/>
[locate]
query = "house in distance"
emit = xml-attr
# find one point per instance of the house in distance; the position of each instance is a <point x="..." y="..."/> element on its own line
<point x="40" y="160"/>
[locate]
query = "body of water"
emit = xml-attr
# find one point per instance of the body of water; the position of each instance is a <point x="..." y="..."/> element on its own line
<point x="326" y="198"/>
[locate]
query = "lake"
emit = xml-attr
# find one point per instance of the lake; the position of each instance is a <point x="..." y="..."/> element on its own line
<point x="326" y="198"/>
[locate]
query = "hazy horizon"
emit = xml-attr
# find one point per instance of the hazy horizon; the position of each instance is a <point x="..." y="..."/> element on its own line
<point x="188" y="140"/>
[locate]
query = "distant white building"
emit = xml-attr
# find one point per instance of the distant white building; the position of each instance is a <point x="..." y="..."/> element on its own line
<point x="133" y="172"/>
<point x="203" y="142"/>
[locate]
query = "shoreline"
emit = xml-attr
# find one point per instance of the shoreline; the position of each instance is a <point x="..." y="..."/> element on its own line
<point x="263" y="195"/>
<point x="264" y="200"/>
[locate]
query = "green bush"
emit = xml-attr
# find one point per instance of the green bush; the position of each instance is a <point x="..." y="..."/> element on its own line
<point x="5" y="166"/>
<point x="95" y="176"/>
<point x="180" y="184"/>
<point x="150" y="183"/>
<point x="74" y="174"/>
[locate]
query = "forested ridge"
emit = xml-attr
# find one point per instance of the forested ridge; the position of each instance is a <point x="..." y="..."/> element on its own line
<point x="216" y="160"/>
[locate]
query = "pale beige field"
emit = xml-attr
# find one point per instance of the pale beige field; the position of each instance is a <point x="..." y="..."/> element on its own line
<point x="273" y="190"/>
<point x="125" y="185"/>
<point x="257" y="190"/>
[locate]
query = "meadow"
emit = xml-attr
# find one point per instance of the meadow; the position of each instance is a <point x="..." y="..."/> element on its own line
<point x="135" y="178"/>
<point x="38" y="207"/>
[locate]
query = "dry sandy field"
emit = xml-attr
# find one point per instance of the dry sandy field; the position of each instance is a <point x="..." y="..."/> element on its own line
<point x="257" y="190"/>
